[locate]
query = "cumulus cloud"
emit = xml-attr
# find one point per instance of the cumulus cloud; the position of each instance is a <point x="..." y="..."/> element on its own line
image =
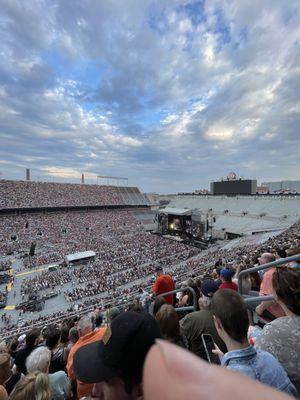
<point x="171" y="93"/>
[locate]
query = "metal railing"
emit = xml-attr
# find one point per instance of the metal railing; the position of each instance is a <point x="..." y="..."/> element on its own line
<point x="194" y="307"/>
<point x="248" y="271"/>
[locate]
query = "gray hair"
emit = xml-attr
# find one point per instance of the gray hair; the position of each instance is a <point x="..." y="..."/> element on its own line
<point x="38" y="360"/>
<point x="85" y="324"/>
<point x="268" y="257"/>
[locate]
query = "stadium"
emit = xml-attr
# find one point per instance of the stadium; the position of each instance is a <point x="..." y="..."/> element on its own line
<point x="149" y="200"/>
<point x="71" y="249"/>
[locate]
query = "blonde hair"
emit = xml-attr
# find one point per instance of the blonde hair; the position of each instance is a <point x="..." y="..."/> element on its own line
<point x="3" y="347"/>
<point x="32" y="386"/>
<point x="5" y="367"/>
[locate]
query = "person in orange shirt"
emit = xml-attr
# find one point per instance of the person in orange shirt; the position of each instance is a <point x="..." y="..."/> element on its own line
<point x="115" y="364"/>
<point x="164" y="283"/>
<point x="86" y="336"/>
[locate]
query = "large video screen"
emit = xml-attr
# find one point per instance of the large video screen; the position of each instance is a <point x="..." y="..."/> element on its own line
<point x="197" y="227"/>
<point x="233" y="187"/>
<point x="178" y="223"/>
<point x="186" y="225"/>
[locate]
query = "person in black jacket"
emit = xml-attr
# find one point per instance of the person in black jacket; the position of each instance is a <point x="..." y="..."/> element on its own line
<point x="32" y="341"/>
<point x="58" y="359"/>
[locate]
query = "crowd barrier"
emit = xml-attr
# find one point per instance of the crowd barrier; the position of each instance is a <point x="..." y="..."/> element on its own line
<point x="194" y="307"/>
<point x="248" y="271"/>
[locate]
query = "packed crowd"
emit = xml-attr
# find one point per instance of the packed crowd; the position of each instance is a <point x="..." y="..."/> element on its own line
<point x="110" y="353"/>
<point x="60" y="233"/>
<point x="29" y="194"/>
<point x="126" y="259"/>
<point x="75" y="358"/>
<point x="4" y="265"/>
<point x="240" y="257"/>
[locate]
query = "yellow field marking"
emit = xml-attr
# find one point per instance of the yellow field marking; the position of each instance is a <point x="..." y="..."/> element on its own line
<point x="11" y="271"/>
<point x="8" y="287"/>
<point x="8" y="308"/>
<point x="31" y="271"/>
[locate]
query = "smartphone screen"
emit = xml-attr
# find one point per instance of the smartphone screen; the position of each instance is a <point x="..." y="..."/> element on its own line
<point x="209" y="345"/>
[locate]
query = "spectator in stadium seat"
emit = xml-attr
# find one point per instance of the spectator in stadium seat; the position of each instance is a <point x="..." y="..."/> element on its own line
<point x="254" y="276"/>
<point x="3" y="347"/>
<point x="98" y="320"/>
<point x="218" y="263"/>
<point x="52" y="336"/>
<point x="268" y="309"/>
<point x="112" y="313"/>
<point x="40" y="360"/>
<point x="280" y="253"/>
<point x="5" y="374"/>
<point x="73" y="338"/>
<point x="265" y="258"/>
<point x="13" y="380"/>
<point x="232" y="323"/>
<point x="158" y="303"/>
<point x="135" y="305"/>
<point x="32" y="341"/>
<point x="193" y="325"/>
<point x="188" y="298"/>
<point x="32" y="386"/>
<point x="216" y="275"/>
<point x="86" y="336"/>
<point x="6" y="369"/>
<point x="13" y="346"/>
<point x="115" y="363"/>
<point x="164" y="283"/>
<point x="293" y="252"/>
<point x="64" y="336"/>
<point x="226" y="275"/>
<point x="144" y="299"/>
<point x="246" y="280"/>
<point x="168" y="321"/>
<point x="281" y="337"/>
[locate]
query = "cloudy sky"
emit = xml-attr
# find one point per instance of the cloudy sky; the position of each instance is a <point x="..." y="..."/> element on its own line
<point x="169" y="93"/>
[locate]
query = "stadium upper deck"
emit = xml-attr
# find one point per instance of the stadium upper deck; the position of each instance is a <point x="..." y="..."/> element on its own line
<point x="29" y="194"/>
<point x="276" y="206"/>
<point x="243" y="214"/>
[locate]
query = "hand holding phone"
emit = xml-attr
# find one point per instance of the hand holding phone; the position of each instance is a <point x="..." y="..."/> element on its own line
<point x="209" y="346"/>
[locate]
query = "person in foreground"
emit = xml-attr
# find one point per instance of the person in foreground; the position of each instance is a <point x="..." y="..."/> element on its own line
<point x="172" y="373"/>
<point x="86" y="335"/>
<point x="232" y="323"/>
<point x="32" y="386"/>
<point x="281" y="337"/>
<point x="115" y="363"/>
<point x="196" y="323"/>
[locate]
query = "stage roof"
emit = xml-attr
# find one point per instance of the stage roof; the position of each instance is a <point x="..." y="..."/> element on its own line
<point x="79" y="256"/>
<point x="175" y="211"/>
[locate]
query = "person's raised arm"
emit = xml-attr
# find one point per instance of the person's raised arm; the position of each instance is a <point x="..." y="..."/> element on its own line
<point x="171" y="373"/>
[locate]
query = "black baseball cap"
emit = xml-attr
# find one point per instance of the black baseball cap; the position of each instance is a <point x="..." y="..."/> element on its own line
<point x="122" y="350"/>
<point x="209" y="287"/>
